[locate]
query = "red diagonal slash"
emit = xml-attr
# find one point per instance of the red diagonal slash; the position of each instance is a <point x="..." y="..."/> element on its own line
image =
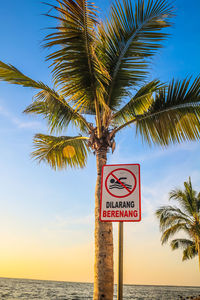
<point x="120" y="182"/>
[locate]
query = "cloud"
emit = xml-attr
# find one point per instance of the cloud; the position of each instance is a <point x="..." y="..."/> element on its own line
<point x="150" y="153"/>
<point x="18" y="122"/>
<point x="64" y="222"/>
<point x="66" y="230"/>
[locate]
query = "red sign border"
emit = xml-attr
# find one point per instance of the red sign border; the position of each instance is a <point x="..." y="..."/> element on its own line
<point x="130" y="192"/>
<point x="139" y="182"/>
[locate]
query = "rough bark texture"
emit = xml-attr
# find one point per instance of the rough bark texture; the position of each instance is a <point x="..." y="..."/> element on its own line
<point x="103" y="268"/>
<point x="199" y="253"/>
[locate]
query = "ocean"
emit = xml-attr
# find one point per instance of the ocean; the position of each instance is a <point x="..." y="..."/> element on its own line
<point x="26" y="289"/>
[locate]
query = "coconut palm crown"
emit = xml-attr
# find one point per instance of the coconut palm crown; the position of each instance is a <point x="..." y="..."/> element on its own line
<point x="100" y="73"/>
<point x="186" y="218"/>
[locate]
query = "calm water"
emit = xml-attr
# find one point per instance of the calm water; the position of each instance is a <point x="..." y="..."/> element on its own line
<point x="11" y="289"/>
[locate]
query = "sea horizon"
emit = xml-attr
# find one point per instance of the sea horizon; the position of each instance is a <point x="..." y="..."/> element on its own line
<point x="31" y="289"/>
<point x="89" y="282"/>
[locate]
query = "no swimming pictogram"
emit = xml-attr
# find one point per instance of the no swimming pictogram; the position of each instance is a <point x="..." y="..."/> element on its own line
<point x="120" y="183"/>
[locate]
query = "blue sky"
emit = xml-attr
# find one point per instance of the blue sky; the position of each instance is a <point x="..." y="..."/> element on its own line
<point x="52" y="212"/>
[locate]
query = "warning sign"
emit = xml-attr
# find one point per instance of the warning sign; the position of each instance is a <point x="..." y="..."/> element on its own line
<point x="120" y="193"/>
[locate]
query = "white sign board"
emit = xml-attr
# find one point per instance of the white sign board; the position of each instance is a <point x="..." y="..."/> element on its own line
<point x="120" y="193"/>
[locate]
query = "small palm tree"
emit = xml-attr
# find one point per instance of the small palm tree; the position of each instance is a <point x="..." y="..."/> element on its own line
<point x="100" y="71"/>
<point x="186" y="218"/>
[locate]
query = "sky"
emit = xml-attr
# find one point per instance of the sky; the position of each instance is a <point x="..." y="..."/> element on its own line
<point x="47" y="217"/>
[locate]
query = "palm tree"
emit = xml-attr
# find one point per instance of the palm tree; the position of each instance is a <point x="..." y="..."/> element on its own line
<point x="186" y="218"/>
<point x="100" y="71"/>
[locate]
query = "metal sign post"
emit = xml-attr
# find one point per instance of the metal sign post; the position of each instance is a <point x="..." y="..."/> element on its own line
<point x="120" y="263"/>
<point x="120" y="202"/>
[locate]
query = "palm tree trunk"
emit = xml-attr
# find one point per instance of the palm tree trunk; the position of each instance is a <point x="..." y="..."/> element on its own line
<point x="198" y="249"/>
<point x="103" y="267"/>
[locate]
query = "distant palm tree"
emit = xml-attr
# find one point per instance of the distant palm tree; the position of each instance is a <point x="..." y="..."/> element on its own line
<point x="186" y="218"/>
<point x="99" y="71"/>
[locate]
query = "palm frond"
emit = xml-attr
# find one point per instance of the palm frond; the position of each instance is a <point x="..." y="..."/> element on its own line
<point x="173" y="219"/>
<point x="174" y="115"/>
<point x="57" y="111"/>
<point x="12" y="75"/>
<point x="61" y="152"/>
<point x="186" y="198"/>
<point x="138" y="104"/>
<point x="181" y="243"/>
<point x="168" y="233"/>
<point x="76" y="68"/>
<point x="128" y="38"/>
<point x="170" y="215"/>
<point x="189" y="253"/>
<point x="47" y="101"/>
